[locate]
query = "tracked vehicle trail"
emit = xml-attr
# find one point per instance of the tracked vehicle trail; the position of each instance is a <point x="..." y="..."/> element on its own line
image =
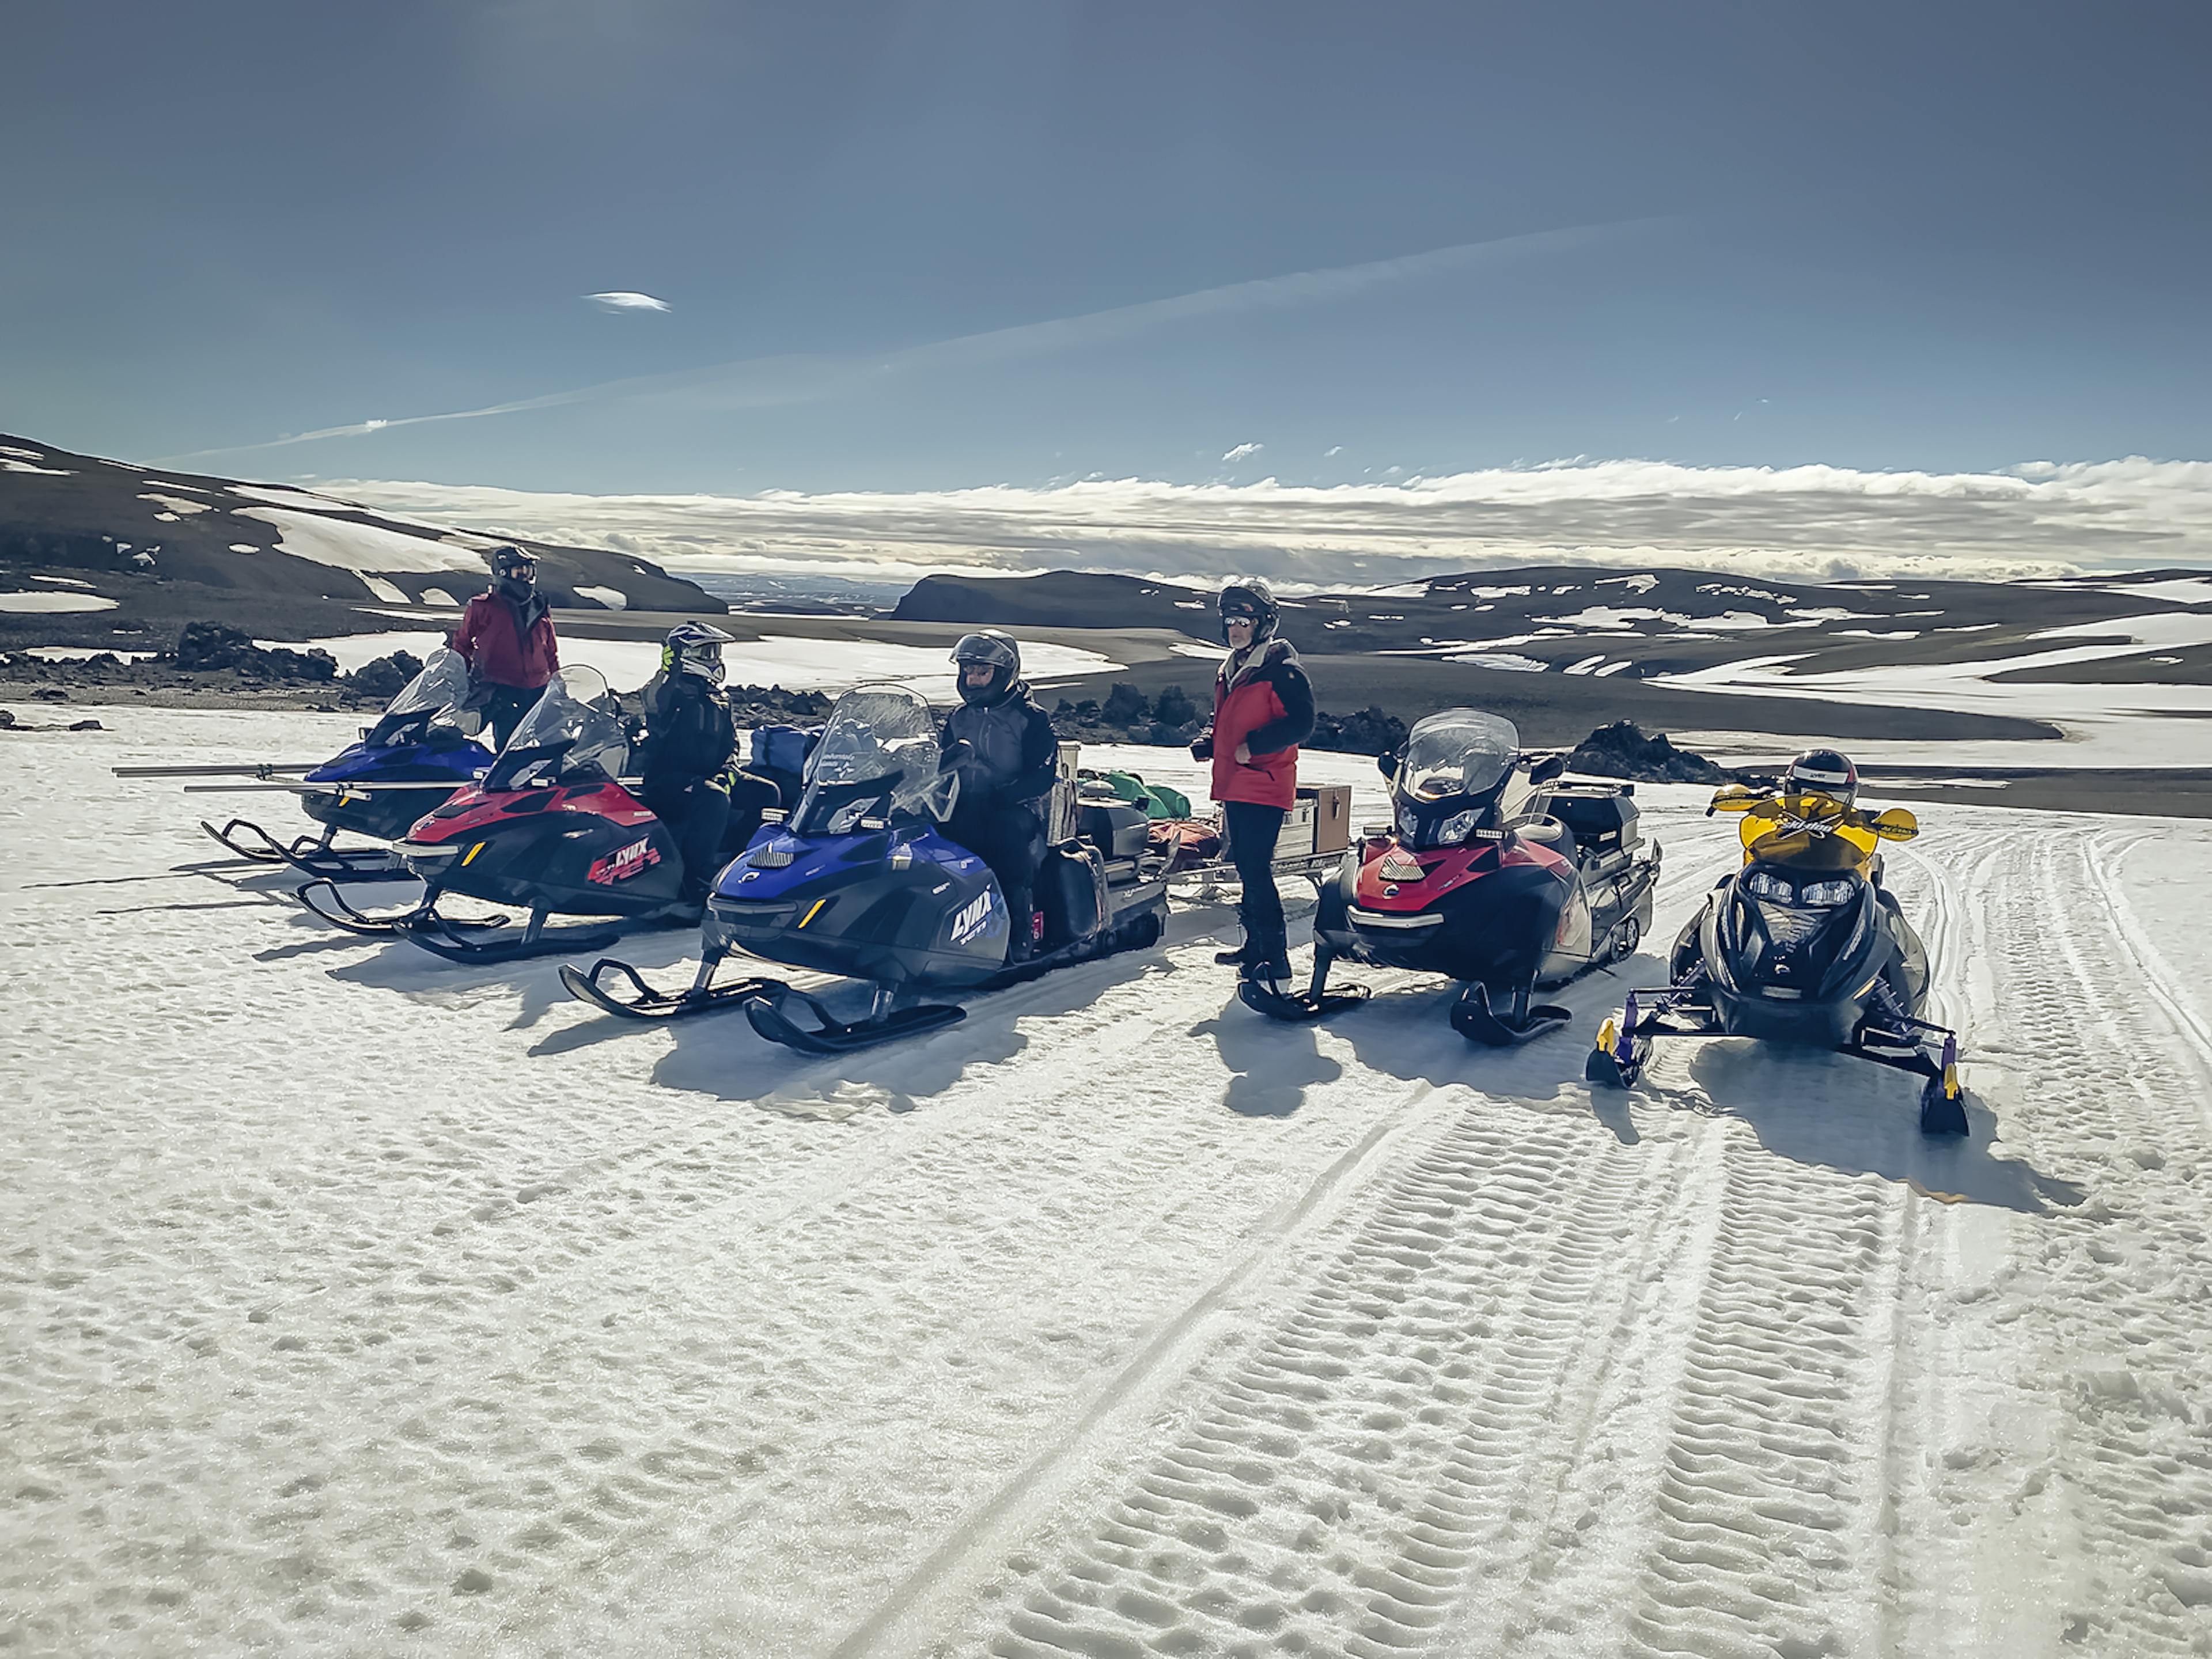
<point x="360" y="1305"/>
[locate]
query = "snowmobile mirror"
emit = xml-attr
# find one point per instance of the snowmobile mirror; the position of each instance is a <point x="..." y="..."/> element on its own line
<point x="1733" y="798"/>
<point x="1387" y="764"/>
<point x="1550" y="769"/>
<point x="1896" y="824"/>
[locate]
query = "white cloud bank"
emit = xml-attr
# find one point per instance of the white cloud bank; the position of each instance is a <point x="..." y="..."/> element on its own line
<point x="1810" y="522"/>
<point x="622" y="300"/>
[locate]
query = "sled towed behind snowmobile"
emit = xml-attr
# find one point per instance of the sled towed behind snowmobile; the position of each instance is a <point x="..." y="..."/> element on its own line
<point x="1493" y="873"/>
<point x="416" y="755"/>
<point x="1802" y="944"/>
<point x="548" y="828"/>
<point x="860" y="883"/>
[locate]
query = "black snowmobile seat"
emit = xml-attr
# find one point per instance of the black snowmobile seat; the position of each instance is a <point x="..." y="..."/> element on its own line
<point x="1546" y="832"/>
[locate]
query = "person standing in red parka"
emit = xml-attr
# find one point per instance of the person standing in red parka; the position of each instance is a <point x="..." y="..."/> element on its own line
<point x="1263" y="709"/>
<point x="506" y="637"/>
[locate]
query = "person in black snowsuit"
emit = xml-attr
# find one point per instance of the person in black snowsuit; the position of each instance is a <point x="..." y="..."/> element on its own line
<point x="1001" y="745"/>
<point x="689" y="780"/>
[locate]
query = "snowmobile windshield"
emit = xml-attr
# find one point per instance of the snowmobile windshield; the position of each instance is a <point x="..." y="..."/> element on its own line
<point x="441" y="688"/>
<point x="1461" y="751"/>
<point x="573" y="717"/>
<point x="880" y="742"/>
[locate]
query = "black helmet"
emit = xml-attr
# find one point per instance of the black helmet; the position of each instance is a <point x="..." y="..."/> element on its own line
<point x="998" y="649"/>
<point x="1823" y="772"/>
<point x="511" y="561"/>
<point x="1247" y="597"/>
<point x="694" y="647"/>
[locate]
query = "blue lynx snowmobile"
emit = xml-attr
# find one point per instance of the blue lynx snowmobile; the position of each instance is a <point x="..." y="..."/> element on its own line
<point x="412" y="759"/>
<point x="859" y="882"/>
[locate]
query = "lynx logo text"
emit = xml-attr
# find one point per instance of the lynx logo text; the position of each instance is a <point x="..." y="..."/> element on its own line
<point x="971" y="918"/>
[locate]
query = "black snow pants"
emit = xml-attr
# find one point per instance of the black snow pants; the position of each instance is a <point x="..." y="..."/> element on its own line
<point x="695" y="813"/>
<point x="1252" y="831"/>
<point x="504" y="709"/>
<point x="1009" y="836"/>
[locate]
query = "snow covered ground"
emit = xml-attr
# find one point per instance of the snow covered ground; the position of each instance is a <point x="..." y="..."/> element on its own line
<point x="2119" y="724"/>
<point x="357" y="1304"/>
<point x="797" y="664"/>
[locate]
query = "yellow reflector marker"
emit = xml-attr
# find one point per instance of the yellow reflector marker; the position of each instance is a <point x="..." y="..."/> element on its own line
<point x="1950" y="1083"/>
<point x="472" y="852"/>
<point x="1605" y="1034"/>
<point x="815" y="912"/>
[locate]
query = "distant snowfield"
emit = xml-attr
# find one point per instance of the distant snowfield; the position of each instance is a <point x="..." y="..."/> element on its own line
<point x="1800" y="523"/>
<point x="55" y="602"/>
<point x="362" y="1303"/>
<point x="796" y="665"/>
<point x="2118" y="725"/>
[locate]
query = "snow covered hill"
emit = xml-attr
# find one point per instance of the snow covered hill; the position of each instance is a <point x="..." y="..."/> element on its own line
<point x="144" y="544"/>
<point x="360" y="1304"/>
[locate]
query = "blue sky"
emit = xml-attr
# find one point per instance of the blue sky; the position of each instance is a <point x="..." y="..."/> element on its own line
<point x="1433" y="238"/>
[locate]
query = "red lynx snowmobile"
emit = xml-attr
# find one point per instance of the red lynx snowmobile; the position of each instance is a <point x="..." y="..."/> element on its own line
<point x="1494" y="874"/>
<point x="415" y="755"/>
<point x="860" y="883"/>
<point x="548" y="827"/>
<point x="1802" y="944"/>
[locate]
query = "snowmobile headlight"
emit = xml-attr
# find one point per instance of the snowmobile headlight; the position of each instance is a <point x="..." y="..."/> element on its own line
<point x="1827" y="892"/>
<point x="1761" y="883"/>
<point x="1457" y="827"/>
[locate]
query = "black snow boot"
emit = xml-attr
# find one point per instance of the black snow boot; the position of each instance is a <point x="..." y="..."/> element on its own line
<point x="1022" y="920"/>
<point x="1236" y="959"/>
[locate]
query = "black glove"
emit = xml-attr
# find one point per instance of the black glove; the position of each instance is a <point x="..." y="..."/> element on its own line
<point x="1201" y="747"/>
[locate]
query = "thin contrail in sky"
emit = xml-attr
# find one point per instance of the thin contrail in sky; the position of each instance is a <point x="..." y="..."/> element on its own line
<point x="799" y="378"/>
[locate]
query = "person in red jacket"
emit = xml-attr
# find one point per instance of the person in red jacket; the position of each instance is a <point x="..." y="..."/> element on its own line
<point x="1263" y="709"/>
<point x="506" y="637"/>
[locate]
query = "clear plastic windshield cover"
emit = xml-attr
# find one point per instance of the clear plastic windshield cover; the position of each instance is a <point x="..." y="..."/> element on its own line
<point x="442" y="687"/>
<point x="570" y="711"/>
<point x="875" y="731"/>
<point x="1461" y="751"/>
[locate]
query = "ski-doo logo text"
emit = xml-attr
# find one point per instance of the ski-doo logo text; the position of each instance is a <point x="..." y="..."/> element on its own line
<point x="622" y="864"/>
<point x="970" y="919"/>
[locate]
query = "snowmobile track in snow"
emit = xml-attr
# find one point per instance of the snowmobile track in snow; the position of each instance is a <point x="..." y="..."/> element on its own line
<point x="360" y="1305"/>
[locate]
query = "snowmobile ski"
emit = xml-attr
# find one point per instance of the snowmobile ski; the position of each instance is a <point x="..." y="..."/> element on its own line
<point x="767" y="1009"/>
<point x="309" y="854"/>
<point x="701" y="997"/>
<point x="470" y="942"/>
<point x="1473" y="1018"/>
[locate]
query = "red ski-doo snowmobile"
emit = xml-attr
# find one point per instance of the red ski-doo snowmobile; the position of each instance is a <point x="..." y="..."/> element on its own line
<point x="1494" y="874"/>
<point x="548" y="827"/>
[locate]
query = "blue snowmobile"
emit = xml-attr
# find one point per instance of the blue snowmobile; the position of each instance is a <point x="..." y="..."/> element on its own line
<point x="410" y="762"/>
<point x="859" y="882"/>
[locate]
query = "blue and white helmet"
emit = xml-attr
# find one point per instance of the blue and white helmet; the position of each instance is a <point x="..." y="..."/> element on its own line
<point x="694" y="647"/>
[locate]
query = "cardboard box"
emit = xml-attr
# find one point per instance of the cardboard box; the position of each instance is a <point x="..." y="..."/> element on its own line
<point x="1332" y="816"/>
<point x="1061" y="823"/>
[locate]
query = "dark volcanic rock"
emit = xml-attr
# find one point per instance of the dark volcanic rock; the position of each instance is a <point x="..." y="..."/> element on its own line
<point x="385" y="678"/>
<point x="1622" y="750"/>
<point x="206" y="644"/>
